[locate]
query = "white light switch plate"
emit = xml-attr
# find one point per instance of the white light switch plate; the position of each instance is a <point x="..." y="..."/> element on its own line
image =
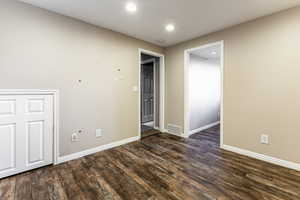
<point x="135" y="88"/>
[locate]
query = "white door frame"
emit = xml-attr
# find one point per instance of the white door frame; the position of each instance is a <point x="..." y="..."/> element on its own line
<point x="187" y="92"/>
<point x="161" y="91"/>
<point x="55" y="94"/>
<point x="148" y="61"/>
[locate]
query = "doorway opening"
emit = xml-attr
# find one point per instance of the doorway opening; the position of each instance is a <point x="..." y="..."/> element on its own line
<point x="204" y="91"/>
<point x="151" y="96"/>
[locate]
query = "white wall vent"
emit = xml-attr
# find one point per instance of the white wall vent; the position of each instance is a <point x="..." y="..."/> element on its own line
<point x="174" y="129"/>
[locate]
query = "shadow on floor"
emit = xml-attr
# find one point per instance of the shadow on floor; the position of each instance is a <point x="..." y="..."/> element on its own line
<point x="148" y="131"/>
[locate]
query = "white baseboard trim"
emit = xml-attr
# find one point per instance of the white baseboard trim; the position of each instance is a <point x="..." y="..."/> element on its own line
<point x="276" y="161"/>
<point x="80" y="154"/>
<point x="149" y="123"/>
<point x="203" y="128"/>
<point x="157" y="128"/>
<point x="166" y="131"/>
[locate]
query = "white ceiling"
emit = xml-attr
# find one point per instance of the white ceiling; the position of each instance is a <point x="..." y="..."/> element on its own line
<point x="192" y="18"/>
<point x="207" y="53"/>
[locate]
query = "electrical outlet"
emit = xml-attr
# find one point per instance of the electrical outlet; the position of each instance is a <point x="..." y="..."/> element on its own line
<point x="264" y="139"/>
<point x="74" y="137"/>
<point x="98" y="133"/>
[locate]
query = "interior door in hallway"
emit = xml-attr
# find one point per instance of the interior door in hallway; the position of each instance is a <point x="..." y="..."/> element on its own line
<point x="147" y="98"/>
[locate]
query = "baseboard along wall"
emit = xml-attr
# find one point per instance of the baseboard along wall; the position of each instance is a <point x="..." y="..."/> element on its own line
<point x="80" y="154"/>
<point x="269" y="159"/>
<point x="203" y="128"/>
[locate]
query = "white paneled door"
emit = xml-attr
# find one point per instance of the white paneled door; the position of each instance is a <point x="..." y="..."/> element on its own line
<point x="26" y="133"/>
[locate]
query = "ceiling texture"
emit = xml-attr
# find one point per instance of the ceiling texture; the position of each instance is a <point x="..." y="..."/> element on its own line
<point x="192" y="18"/>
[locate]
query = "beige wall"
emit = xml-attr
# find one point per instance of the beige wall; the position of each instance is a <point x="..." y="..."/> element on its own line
<point x="261" y="84"/>
<point x="43" y="50"/>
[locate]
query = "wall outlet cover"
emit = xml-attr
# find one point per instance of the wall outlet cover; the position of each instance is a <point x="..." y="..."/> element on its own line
<point x="74" y="137"/>
<point x="98" y="133"/>
<point x="264" y="139"/>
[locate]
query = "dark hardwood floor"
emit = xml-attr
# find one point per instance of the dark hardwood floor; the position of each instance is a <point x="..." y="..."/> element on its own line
<point x="148" y="131"/>
<point x="158" y="167"/>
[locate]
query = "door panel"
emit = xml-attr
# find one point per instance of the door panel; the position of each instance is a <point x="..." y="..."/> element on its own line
<point x="147" y="93"/>
<point x="7" y="107"/>
<point x="26" y="133"/>
<point x="7" y="147"/>
<point x="35" y="142"/>
<point x="35" y="105"/>
<point x="38" y="119"/>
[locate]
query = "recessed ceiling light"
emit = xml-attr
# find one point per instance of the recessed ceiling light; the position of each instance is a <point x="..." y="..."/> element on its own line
<point x="170" y="27"/>
<point x="131" y="7"/>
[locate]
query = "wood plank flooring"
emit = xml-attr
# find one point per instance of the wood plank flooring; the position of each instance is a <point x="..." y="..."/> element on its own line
<point x="158" y="167"/>
<point x="149" y="132"/>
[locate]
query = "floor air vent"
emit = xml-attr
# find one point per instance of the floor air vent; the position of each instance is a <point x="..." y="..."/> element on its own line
<point x="174" y="129"/>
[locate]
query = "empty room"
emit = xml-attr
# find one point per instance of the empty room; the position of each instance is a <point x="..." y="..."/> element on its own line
<point x="144" y="100"/>
<point x="203" y="90"/>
